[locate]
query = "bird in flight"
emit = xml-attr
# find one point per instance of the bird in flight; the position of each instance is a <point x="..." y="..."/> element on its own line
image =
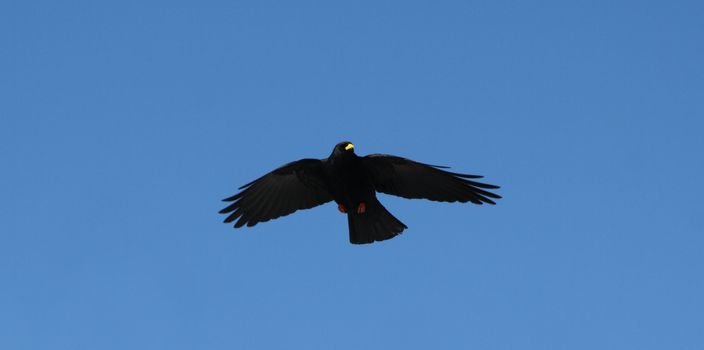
<point x="352" y="182"/>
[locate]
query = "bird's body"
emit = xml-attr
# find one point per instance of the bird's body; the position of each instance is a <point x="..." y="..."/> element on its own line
<point x="351" y="187"/>
<point x="348" y="180"/>
<point x="352" y="182"/>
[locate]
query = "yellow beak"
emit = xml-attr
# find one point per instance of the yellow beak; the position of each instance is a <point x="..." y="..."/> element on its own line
<point x="349" y="147"/>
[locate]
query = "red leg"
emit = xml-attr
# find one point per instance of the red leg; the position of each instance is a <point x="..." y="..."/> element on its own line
<point x="361" y="208"/>
<point x="341" y="208"/>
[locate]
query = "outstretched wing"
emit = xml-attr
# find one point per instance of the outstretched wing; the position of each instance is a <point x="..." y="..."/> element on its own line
<point x="409" y="179"/>
<point x="296" y="185"/>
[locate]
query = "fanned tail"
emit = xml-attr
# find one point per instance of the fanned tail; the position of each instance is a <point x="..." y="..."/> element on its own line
<point x="375" y="224"/>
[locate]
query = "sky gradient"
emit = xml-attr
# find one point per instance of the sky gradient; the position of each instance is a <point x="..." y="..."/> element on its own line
<point x="123" y="124"/>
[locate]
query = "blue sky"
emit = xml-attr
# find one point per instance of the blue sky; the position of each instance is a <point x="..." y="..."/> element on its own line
<point x="123" y="124"/>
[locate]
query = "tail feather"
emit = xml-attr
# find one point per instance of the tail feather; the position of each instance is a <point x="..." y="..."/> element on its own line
<point x="375" y="224"/>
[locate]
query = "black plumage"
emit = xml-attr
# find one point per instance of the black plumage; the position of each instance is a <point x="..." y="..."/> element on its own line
<point x="352" y="182"/>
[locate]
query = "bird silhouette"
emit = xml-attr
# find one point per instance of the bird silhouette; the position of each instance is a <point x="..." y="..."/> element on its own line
<point x="352" y="182"/>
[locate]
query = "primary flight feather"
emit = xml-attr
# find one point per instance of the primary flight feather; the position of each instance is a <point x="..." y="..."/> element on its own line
<point x="352" y="182"/>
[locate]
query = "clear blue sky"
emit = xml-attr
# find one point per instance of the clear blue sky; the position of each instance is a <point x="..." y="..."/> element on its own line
<point x="124" y="123"/>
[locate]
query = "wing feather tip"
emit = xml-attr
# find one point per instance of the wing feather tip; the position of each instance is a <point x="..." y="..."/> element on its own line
<point x="240" y="222"/>
<point x="233" y="197"/>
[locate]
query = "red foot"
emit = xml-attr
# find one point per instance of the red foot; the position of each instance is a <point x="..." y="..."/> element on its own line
<point x="361" y="208"/>
<point x="341" y="208"/>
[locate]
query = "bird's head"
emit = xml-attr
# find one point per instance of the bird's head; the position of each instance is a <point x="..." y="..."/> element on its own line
<point x="343" y="148"/>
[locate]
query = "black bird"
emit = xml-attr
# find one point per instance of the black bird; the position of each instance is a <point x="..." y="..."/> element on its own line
<point x="352" y="182"/>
